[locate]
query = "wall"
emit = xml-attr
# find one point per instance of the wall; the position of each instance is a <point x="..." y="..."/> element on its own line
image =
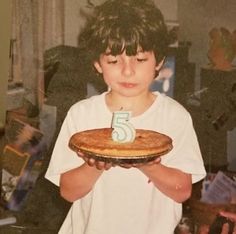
<point x="196" y="18"/>
<point x="5" y="6"/>
<point x="74" y="20"/>
<point x="169" y="9"/>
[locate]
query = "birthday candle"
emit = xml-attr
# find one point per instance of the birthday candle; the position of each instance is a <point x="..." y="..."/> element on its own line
<point x="123" y="130"/>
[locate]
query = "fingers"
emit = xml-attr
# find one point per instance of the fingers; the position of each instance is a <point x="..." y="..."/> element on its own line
<point x="126" y="166"/>
<point x="225" y="228"/>
<point x="157" y="160"/>
<point x="80" y="154"/>
<point x="100" y="165"/>
<point x="229" y="215"/>
<point x="151" y="163"/>
<point x="203" y="229"/>
<point x="108" y="166"/>
<point x="91" y="162"/>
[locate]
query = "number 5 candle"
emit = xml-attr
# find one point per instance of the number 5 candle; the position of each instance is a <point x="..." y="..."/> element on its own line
<point x="123" y="130"/>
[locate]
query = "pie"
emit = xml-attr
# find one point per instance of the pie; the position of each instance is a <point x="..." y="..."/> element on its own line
<point x="98" y="143"/>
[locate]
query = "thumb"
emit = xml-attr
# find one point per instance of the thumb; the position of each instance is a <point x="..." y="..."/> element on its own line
<point x="225" y="228"/>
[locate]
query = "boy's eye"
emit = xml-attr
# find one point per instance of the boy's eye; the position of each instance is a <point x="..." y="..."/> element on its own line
<point x="112" y="61"/>
<point x="141" y="59"/>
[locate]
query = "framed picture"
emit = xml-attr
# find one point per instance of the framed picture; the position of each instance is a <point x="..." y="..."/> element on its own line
<point x="164" y="82"/>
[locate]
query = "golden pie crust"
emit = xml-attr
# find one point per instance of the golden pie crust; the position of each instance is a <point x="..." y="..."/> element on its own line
<point x="99" y="143"/>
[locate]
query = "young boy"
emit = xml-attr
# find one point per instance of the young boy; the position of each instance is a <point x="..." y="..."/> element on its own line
<point x="126" y="42"/>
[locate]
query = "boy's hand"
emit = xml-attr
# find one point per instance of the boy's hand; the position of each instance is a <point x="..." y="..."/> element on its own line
<point x="139" y="165"/>
<point x="100" y="165"/>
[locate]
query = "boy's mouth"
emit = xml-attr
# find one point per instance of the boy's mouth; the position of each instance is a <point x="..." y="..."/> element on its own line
<point x="127" y="84"/>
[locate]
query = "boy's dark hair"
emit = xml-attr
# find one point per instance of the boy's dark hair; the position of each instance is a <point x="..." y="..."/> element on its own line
<point x="124" y="25"/>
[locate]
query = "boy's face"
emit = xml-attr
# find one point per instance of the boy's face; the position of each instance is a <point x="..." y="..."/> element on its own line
<point x="128" y="75"/>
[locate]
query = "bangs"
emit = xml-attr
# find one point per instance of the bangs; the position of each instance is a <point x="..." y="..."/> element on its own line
<point x="125" y="39"/>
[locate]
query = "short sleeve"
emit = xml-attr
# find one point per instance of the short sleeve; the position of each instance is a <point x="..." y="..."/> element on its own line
<point x="63" y="158"/>
<point x="186" y="154"/>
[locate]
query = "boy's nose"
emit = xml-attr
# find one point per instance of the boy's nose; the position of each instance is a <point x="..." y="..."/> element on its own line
<point x="128" y="68"/>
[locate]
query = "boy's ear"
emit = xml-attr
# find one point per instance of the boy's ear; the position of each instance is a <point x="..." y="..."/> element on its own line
<point x="160" y="64"/>
<point x="97" y="67"/>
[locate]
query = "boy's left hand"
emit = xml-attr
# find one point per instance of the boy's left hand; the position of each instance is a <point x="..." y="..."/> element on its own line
<point x="139" y="165"/>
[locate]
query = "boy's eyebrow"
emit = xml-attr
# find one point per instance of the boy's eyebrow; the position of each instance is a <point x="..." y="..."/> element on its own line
<point x="107" y="53"/>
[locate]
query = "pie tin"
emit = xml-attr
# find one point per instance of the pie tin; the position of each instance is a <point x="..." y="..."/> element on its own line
<point x="121" y="159"/>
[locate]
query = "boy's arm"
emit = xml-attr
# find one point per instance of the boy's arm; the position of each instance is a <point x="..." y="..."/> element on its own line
<point x="76" y="183"/>
<point x="172" y="182"/>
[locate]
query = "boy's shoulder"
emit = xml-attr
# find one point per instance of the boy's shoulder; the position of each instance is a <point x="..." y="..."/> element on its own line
<point x="92" y="99"/>
<point x="89" y="102"/>
<point x="172" y="107"/>
<point x="171" y="102"/>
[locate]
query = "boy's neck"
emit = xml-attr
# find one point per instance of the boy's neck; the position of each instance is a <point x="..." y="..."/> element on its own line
<point x="137" y="105"/>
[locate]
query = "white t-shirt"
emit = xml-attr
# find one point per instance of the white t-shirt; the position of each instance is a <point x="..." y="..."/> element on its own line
<point x="122" y="201"/>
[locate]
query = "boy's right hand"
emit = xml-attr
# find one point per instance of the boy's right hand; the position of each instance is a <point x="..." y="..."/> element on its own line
<point x="100" y="165"/>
